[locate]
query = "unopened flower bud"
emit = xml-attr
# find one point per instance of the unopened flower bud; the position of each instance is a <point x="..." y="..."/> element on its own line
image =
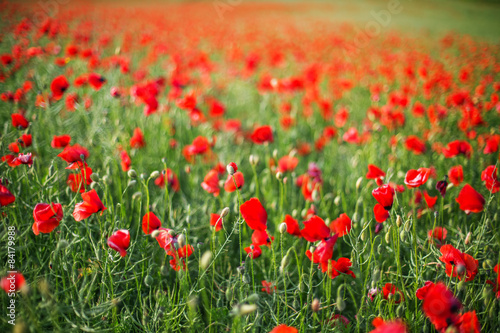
<point x="336" y="201"/>
<point x="136" y="196"/>
<point x="358" y="182"/>
<point x="467" y="239"/>
<point x="181" y="240"/>
<point x="399" y="221"/>
<point x="253" y="298"/>
<point x="155" y="233"/>
<point x="254" y="160"/>
<point x="283" y="228"/>
<point x="132" y="173"/>
<point x="245" y="309"/>
<point x="224" y="212"/>
<point x="279" y="175"/>
<point x="315" y="305"/>
<point x="148" y="281"/>
<point x="275" y="153"/>
<point x="154" y="174"/>
<point x="205" y="260"/>
<point x="164" y="160"/>
<point x="94" y="177"/>
<point x="230" y="170"/>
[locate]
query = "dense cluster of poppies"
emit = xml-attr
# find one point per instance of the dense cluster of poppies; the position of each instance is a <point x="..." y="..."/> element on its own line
<point x="265" y="122"/>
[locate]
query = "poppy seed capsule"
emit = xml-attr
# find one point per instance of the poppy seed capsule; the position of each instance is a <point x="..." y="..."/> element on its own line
<point x="315" y="305"/>
<point x="283" y="228"/>
<point x="132" y="173"/>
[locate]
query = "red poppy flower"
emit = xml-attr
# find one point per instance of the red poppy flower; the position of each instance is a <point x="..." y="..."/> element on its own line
<point x="13" y="147"/>
<point x="315" y="229"/>
<point x="58" y="86"/>
<point x="137" y="140"/>
<point x="19" y="121"/>
<point x="47" y="217"/>
<point x="6" y="198"/>
<point x="60" y="141"/>
<point x="211" y="183"/>
<point x="268" y="287"/>
<point x="438" y="235"/>
<point x="384" y="196"/>
<point x="456" y="175"/>
<point x="416" y="178"/>
<point x="262" y="134"/>
<point x="96" y="81"/>
<point x="126" y="162"/>
<point x="341" y="225"/>
<point x="440" y="306"/>
<point x="12" y="282"/>
<point x="261" y="237"/>
<point x="381" y="214"/>
<point x="23" y="159"/>
<point x="458" y="263"/>
<point x="292" y="226"/>
<point x="284" y="329"/>
<point x="172" y="180"/>
<point x="470" y="200"/>
<point x="150" y="222"/>
<point x="91" y="204"/>
<point x="216" y="221"/>
<point x="468" y="323"/>
<point x="287" y="163"/>
<point x="72" y="154"/>
<point x="335" y="268"/>
<point x="254" y="214"/>
<point x="430" y="201"/>
<point x="489" y="176"/>
<point x="422" y="292"/>
<point x="25" y="140"/>
<point x="166" y="240"/>
<point x="253" y="251"/>
<point x="381" y="326"/>
<point x="75" y="181"/>
<point x="324" y="250"/>
<point x="441" y="187"/>
<point x="415" y="145"/>
<point x="374" y="172"/>
<point x="120" y="241"/>
<point x="390" y="289"/>
<point x="229" y="186"/>
<point x="457" y="147"/>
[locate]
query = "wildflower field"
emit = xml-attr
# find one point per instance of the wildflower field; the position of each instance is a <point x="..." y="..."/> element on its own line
<point x="242" y="166"/>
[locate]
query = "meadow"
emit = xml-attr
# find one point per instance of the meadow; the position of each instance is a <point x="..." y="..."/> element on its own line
<point x="232" y="166"/>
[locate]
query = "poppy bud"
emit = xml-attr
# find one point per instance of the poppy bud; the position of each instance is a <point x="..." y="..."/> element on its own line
<point x="246" y="279"/>
<point x="285" y="180"/>
<point x="303" y="213"/>
<point x="181" y="240"/>
<point x="62" y="244"/>
<point x="467" y="239"/>
<point x="245" y="309"/>
<point x="284" y="263"/>
<point x="148" y="280"/>
<point x="155" y="233"/>
<point x="315" y="305"/>
<point x="402" y="235"/>
<point x="279" y="176"/>
<point x="136" y="196"/>
<point x="229" y="293"/>
<point x="230" y="170"/>
<point x="132" y="173"/>
<point x="462" y="285"/>
<point x="283" y="228"/>
<point x="363" y="236"/>
<point x="408" y="226"/>
<point x="107" y="180"/>
<point x="187" y="169"/>
<point x="224" y="212"/>
<point x="143" y="176"/>
<point x="340" y="303"/>
<point x="193" y="303"/>
<point x="164" y="160"/>
<point x="254" y="160"/>
<point x="205" y="260"/>
<point x="355" y="217"/>
<point x="399" y="221"/>
<point x="378" y="228"/>
<point x="94" y="185"/>
<point x="275" y="153"/>
<point x="253" y="298"/>
<point x="154" y="174"/>
<point x="131" y="183"/>
<point x="358" y="182"/>
<point x="388" y="236"/>
<point x="336" y="201"/>
<point x="295" y="213"/>
<point x="171" y="232"/>
<point x="164" y="270"/>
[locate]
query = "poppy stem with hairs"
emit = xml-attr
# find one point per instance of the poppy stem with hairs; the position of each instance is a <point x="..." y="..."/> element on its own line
<point x="167" y="197"/>
<point x="256" y="181"/>
<point x="239" y="217"/>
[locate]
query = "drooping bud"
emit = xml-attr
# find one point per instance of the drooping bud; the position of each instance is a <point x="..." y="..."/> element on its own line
<point x="283" y="228"/>
<point x="154" y="174"/>
<point x="315" y="305"/>
<point x="279" y="175"/>
<point x="132" y="173"/>
<point x="205" y="260"/>
<point x="155" y="233"/>
<point x="94" y="177"/>
<point x="358" y="182"/>
<point x="224" y="212"/>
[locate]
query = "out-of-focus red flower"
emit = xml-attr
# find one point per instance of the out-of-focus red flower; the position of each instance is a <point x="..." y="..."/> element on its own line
<point x="72" y="154"/>
<point x="489" y="176"/>
<point x="440" y="306"/>
<point x="430" y="201"/>
<point x="229" y="185"/>
<point x="456" y="175"/>
<point x="211" y="183"/>
<point x="91" y="204"/>
<point x="254" y="214"/>
<point x="415" y="145"/>
<point x="437" y="235"/>
<point x="268" y="287"/>
<point x="26" y="159"/>
<point x="384" y="196"/>
<point x="126" y="162"/>
<point x="216" y="221"/>
<point x="287" y="163"/>
<point x="96" y="81"/>
<point x="441" y="186"/>
<point x="47" y="217"/>
<point x="341" y="225"/>
<point x="470" y="200"/>
<point x="262" y="135"/>
<point x="458" y="263"/>
<point x="6" y="198"/>
<point x="457" y="147"/>
<point x="137" y="140"/>
<point x="261" y="237"/>
<point x="292" y="226"/>
<point x="416" y="178"/>
<point x="468" y="323"/>
<point x="78" y="181"/>
<point x="150" y="223"/>
<point x="120" y="241"/>
<point x="13" y="282"/>
<point x="172" y="180"/>
<point x="374" y="172"/>
<point x="382" y="326"/>
<point x="58" y="86"/>
<point x="60" y="141"/>
<point x="389" y="289"/>
<point x="422" y="292"/>
<point x="25" y="140"/>
<point x="284" y="329"/>
<point x="315" y="229"/>
<point x="19" y="121"/>
<point x="253" y="251"/>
